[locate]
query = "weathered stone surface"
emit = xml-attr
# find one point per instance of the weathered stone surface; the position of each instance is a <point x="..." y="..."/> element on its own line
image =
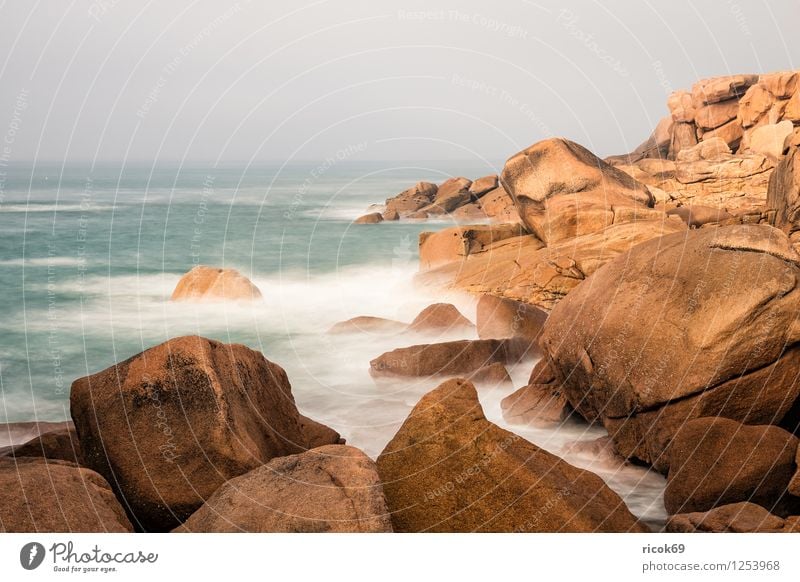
<point x="448" y="469"/>
<point x="368" y="324"/>
<point x="562" y="190"/>
<point x="333" y="488"/>
<point x="168" y="426"/>
<point x="212" y="284"/>
<point x="520" y="269"/>
<point x="458" y="242"/>
<point x="725" y="296"/>
<point x="372" y="218"/>
<point x="741" y="517"/>
<point x="715" y="461"/>
<point x="41" y="496"/>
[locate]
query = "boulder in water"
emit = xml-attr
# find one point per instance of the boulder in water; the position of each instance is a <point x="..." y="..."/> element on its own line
<point x="213" y="284"/>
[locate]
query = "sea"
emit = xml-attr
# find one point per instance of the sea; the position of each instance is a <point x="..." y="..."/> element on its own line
<point x="90" y="253"/>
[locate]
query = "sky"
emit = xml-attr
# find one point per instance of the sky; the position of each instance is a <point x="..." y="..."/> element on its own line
<point x="140" y="81"/>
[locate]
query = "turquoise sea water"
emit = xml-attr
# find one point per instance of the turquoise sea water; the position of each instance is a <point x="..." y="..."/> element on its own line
<point x="90" y="255"/>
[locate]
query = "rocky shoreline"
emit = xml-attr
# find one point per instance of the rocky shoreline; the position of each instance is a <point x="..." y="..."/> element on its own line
<point x="654" y="294"/>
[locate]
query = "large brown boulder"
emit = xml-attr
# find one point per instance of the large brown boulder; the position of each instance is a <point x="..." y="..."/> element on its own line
<point x="212" y="284"/>
<point x="459" y="242"/>
<point x="716" y="461"/>
<point x="562" y="190"/>
<point x="409" y="201"/>
<point x="329" y="489"/>
<point x="743" y="517"/>
<point x="701" y="323"/>
<point x="448" y="469"/>
<point x="783" y="195"/>
<point x="440" y="318"/>
<point x="520" y="268"/>
<point x="445" y="359"/>
<point x="167" y="427"/>
<point x="39" y="496"/>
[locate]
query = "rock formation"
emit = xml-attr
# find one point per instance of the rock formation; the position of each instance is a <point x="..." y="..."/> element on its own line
<point x="448" y="469"/>
<point x="167" y="427"/>
<point x="726" y="296"/>
<point x="562" y="191"/>
<point x="329" y="489"/>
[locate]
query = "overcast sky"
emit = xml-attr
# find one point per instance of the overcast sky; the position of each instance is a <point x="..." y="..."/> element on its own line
<point x="303" y="80"/>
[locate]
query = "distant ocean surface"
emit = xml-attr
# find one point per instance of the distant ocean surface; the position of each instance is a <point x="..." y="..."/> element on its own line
<point x="90" y="255"/>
